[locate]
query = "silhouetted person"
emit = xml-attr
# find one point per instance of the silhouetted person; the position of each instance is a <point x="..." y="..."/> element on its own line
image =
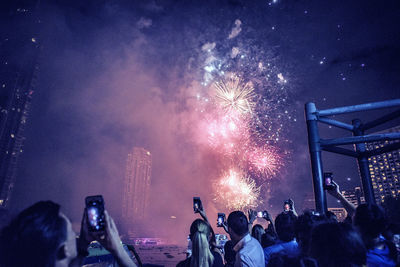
<point x="202" y="255"/>
<point x="229" y="254"/>
<point x="337" y="244"/>
<point x="42" y="236"/>
<point x="257" y="231"/>
<point x="248" y="250"/>
<point x="286" y="245"/>
<point x="371" y="222"/>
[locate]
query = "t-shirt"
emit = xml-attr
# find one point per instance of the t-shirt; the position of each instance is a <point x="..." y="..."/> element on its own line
<point x="217" y="261"/>
<point x="249" y="252"/>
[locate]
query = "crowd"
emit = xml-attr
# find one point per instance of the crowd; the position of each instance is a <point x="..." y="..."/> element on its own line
<point x="42" y="235"/>
<point x="369" y="236"/>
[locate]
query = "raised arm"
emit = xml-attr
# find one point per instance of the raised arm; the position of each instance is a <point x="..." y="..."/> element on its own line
<point x="347" y="205"/>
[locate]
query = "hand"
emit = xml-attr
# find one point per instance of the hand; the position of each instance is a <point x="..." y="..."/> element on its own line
<point x="109" y="238"/>
<point x="335" y="191"/>
<point x="252" y="216"/>
<point x="291" y="203"/>
<point x="225" y="225"/>
<point x="267" y="216"/>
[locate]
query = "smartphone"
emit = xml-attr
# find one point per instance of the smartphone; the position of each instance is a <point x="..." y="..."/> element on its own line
<point x="262" y="214"/>
<point x="221" y="219"/>
<point x="197" y="205"/>
<point x="328" y="181"/>
<point x="286" y="205"/>
<point x="95" y="213"/>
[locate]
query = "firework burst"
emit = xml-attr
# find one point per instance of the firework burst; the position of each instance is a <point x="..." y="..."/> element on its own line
<point x="235" y="95"/>
<point x="237" y="191"/>
<point x="264" y="160"/>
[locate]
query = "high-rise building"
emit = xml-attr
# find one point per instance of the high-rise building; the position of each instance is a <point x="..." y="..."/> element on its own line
<point x="354" y="196"/>
<point x="340" y="213"/>
<point x="385" y="169"/>
<point x="19" y="49"/>
<point x="136" y="185"/>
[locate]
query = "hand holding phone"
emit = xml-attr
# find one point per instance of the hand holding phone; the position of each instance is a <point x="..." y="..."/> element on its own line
<point x="328" y="181"/>
<point x="221" y="220"/>
<point x="197" y="205"/>
<point x="95" y="213"/>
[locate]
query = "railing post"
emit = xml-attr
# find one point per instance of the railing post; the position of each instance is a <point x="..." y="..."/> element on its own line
<point x="315" y="155"/>
<point x="362" y="161"/>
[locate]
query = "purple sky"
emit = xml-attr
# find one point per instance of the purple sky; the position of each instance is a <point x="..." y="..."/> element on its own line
<point x="118" y="74"/>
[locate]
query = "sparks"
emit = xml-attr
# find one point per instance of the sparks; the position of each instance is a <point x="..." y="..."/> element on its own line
<point x="237" y="191"/>
<point x="234" y="95"/>
<point x="265" y="160"/>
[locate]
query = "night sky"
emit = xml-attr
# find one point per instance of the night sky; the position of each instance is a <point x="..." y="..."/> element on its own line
<point x="118" y="74"/>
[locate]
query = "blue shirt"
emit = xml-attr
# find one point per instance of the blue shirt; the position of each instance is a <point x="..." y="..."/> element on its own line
<point x="379" y="258"/>
<point x="290" y="249"/>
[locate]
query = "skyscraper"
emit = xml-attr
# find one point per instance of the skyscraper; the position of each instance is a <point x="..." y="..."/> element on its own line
<point x="136" y="185"/>
<point x="354" y="196"/>
<point x="385" y="169"/>
<point x="19" y="51"/>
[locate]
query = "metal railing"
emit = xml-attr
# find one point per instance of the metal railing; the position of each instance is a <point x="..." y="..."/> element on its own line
<point x="359" y="138"/>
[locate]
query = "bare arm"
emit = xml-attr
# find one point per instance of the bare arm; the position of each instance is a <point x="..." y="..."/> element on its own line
<point x="347" y="205"/>
<point x="252" y="218"/>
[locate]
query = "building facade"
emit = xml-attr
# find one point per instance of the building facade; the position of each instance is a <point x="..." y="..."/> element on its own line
<point x="136" y="185"/>
<point x="385" y="169"/>
<point x="354" y="196"/>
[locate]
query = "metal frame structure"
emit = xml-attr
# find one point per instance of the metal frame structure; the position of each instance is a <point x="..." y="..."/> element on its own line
<point x="359" y="138"/>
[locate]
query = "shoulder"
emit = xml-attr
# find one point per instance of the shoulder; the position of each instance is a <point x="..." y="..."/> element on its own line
<point x="218" y="262"/>
<point x="184" y="263"/>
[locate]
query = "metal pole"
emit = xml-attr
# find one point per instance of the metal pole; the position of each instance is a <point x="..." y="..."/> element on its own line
<point x="362" y="107"/>
<point x="363" y="164"/>
<point x="315" y="155"/>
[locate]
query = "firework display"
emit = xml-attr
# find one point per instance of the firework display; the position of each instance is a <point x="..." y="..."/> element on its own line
<point x="244" y="105"/>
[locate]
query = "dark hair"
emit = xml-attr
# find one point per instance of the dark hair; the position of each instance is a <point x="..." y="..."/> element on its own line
<point x="229" y="254"/>
<point x="257" y="231"/>
<point x="337" y="244"/>
<point x="268" y="239"/>
<point x="303" y="228"/>
<point x="237" y="221"/>
<point x="370" y="220"/>
<point x="33" y="237"/>
<point x="284" y="225"/>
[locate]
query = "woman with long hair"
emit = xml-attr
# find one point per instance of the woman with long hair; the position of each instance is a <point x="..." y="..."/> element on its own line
<point x="202" y="256"/>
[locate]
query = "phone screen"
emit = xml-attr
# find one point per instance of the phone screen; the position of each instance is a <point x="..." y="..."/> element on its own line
<point x="260" y="214"/>
<point x="328" y="184"/>
<point x="95" y="213"/>
<point x="197" y="204"/>
<point x="221" y="219"/>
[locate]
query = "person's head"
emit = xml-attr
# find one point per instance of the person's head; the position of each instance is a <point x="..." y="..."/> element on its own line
<point x="200" y="233"/>
<point x="284" y="225"/>
<point x="303" y="228"/>
<point x="229" y="254"/>
<point x="337" y="244"/>
<point x="257" y="231"/>
<point x="268" y="239"/>
<point x="39" y="236"/>
<point x="238" y="225"/>
<point x="370" y="221"/>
